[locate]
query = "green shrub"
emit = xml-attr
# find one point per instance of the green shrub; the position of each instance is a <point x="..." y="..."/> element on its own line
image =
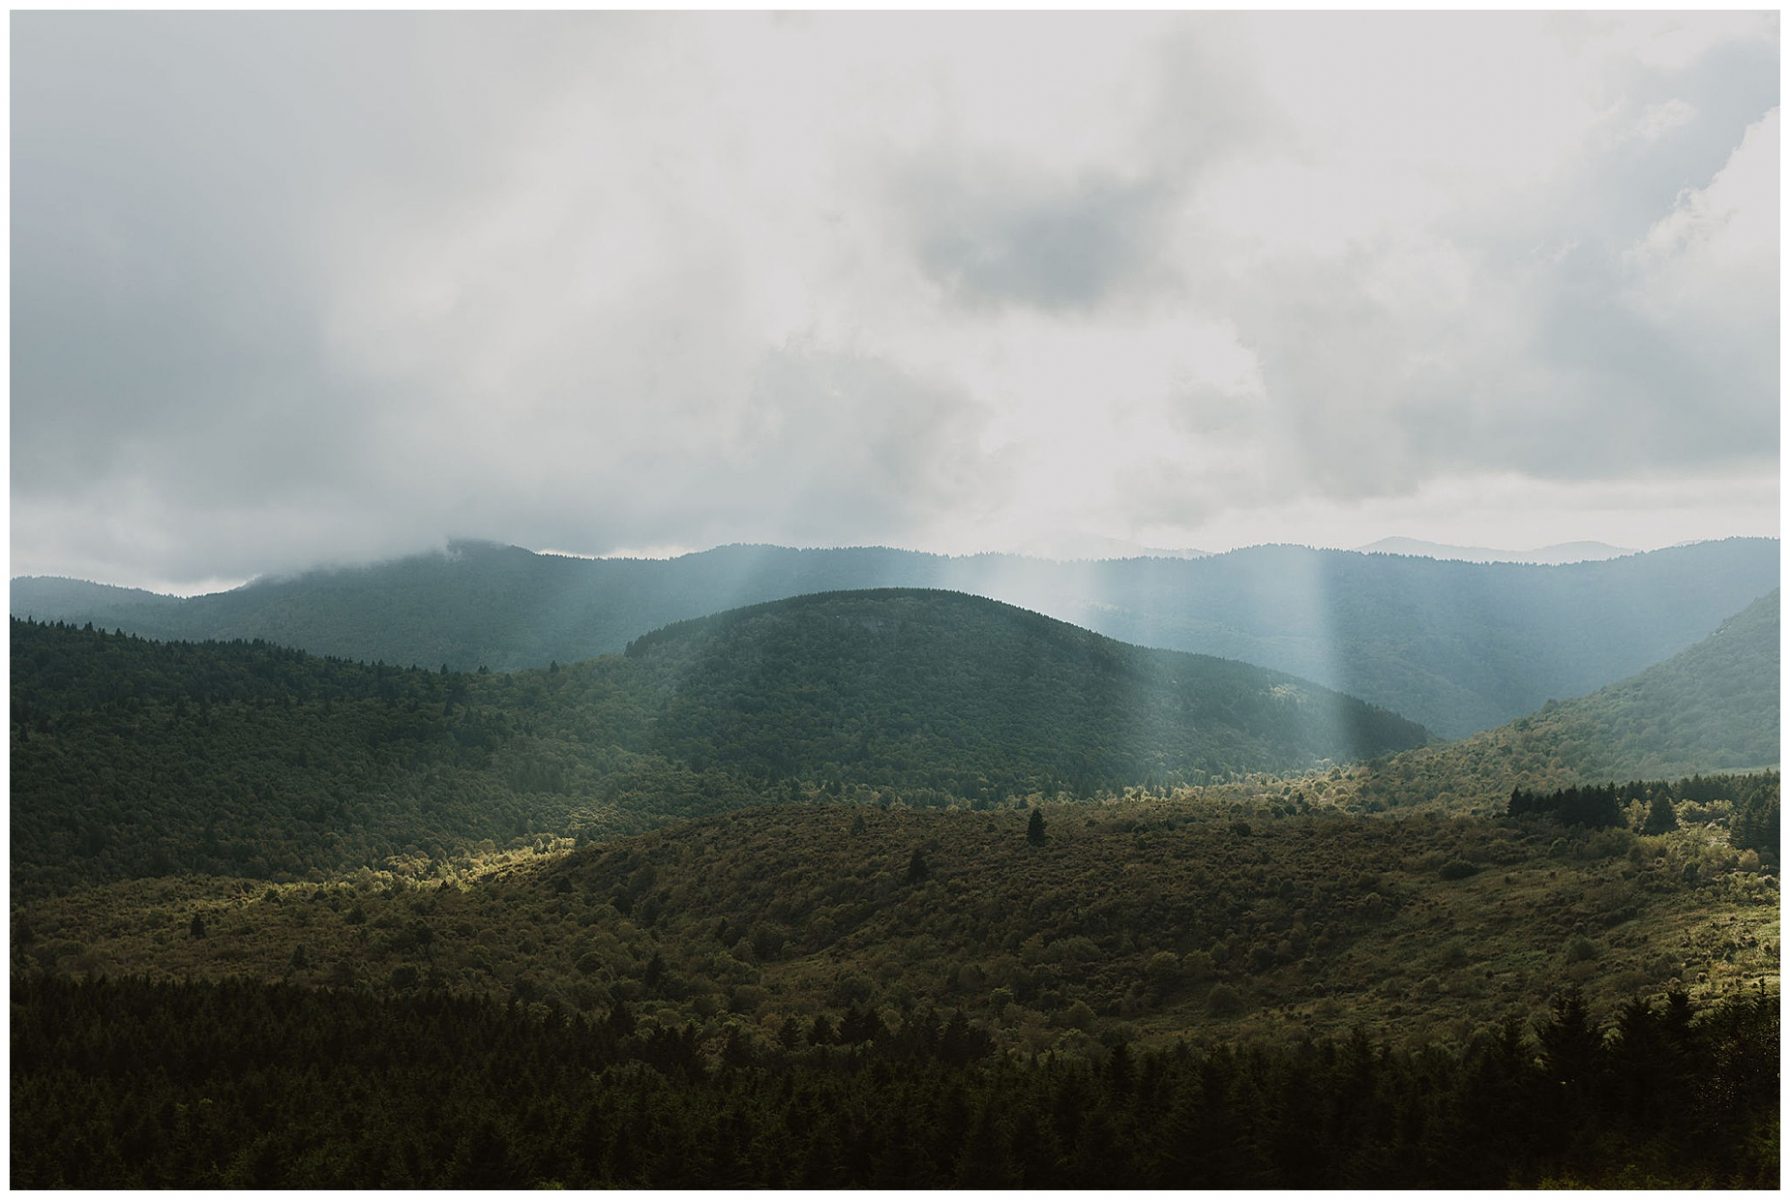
<point x="1163" y="969"/>
<point x="1580" y="949"/>
<point x="1224" y="1000"/>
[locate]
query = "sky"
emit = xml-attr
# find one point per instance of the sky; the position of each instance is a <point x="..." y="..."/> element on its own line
<point x="301" y="288"/>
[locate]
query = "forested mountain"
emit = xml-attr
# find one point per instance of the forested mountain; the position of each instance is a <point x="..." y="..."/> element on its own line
<point x="1457" y="646"/>
<point x="978" y="699"/>
<point x="133" y="757"/>
<point x="46" y="596"/>
<point x="1713" y="707"/>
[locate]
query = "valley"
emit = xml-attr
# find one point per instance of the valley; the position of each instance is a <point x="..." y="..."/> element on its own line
<point x="813" y="835"/>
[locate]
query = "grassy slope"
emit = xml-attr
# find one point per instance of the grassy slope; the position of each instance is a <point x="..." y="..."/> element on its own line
<point x="1457" y="646"/>
<point x="1124" y="922"/>
<point x="1712" y="708"/>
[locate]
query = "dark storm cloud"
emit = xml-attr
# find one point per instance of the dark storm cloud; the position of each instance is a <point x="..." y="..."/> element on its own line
<point x="989" y="237"/>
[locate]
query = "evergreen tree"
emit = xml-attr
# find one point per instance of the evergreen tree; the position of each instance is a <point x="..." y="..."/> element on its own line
<point x="1660" y="817"/>
<point x="1571" y="1043"/>
<point x="1756" y="822"/>
<point x="1035" y="828"/>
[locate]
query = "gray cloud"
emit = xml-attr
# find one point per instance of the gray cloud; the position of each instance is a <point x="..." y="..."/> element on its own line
<point x="992" y="238"/>
<point x="296" y="287"/>
<point x="1537" y="360"/>
<point x="991" y="229"/>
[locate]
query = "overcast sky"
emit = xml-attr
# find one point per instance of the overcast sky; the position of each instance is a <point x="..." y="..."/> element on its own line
<point x="293" y="288"/>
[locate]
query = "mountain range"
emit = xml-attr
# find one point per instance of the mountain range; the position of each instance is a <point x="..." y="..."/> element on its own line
<point x="1457" y="646"/>
<point x="788" y="843"/>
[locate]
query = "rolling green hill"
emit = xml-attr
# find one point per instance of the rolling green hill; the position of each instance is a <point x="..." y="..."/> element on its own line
<point x="977" y="699"/>
<point x="133" y="757"/>
<point x="1457" y="646"/>
<point x="1712" y="708"/>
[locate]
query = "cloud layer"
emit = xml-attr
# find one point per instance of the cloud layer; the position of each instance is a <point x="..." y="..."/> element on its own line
<point x="291" y="288"/>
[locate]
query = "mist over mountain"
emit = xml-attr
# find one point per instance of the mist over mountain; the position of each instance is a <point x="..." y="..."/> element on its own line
<point x="1457" y="646"/>
<point x="1711" y="708"/>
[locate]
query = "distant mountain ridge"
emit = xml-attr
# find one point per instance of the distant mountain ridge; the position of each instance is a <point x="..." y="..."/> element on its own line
<point x="1555" y="555"/>
<point x="1458" y="646"/>
<point x="1092" y="547"/>
<point x="1712" y="708"/>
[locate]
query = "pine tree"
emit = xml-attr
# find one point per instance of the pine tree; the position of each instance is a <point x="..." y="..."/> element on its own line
<point x="1660" y="817"/>
<point x="1571" y="1043"/>
<point x="1035" y="828"/>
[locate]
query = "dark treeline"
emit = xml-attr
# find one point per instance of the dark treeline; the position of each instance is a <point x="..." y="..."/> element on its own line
<point x="1593" y="806"/>
<point x="57" y="670"/>
<point x="1752" y="799"/>
<point x="133" y="1084"/>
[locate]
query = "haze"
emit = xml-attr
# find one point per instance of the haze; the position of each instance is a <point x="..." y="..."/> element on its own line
<point x="291" y="288"/>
